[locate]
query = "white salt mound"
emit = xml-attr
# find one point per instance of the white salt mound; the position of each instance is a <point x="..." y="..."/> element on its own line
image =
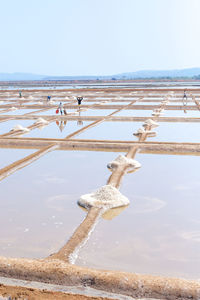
<point x="20" y="128"/>
<point x="13" y="108"/>
<point x="41" y="121"/>
<point x="122" y="160"/>
<point x="105" y="197"/>
<point x="40" y="103"/>
<point x="151" y="123"/>
<point x="141" y="131"/>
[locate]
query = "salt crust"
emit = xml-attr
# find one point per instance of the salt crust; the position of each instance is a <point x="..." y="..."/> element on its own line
<point x="20" y="128"/>
<point x="151" y="123"/>
<point x="105" y="197"/>
<point x="122" y="160"/>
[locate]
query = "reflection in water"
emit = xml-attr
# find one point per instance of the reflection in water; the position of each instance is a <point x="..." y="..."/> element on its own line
<point x="110" y="213"/>
<point x="61" y="124"/>
<point x="79" y="122"/>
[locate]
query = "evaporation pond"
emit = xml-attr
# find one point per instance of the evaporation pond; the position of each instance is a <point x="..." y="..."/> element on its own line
<point x="8" y="156"/>
<point x="9" y="125"/>
<point x="112" y="131"/>
<point x="38" y="206"/>
<point x="182" y="113"/>
<point x="58" y="129"/>
<point x="159" y="232"/>
<point x="177" y="132"/>
<point x="134" y="113"/>
<point x="157" y="103"/>
<point x="96" y="112"/>
<point x="19" y="111"/>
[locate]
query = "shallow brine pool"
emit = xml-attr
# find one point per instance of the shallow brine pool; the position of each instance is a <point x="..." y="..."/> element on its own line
<point x="57" y="130"/>
<point x="159" y="232"/>
<point x="9" y="125"/>
<point x="112" y="131"/>
<point x="39" y="213"/>
<point x="177" y="132"/>
<point x="134" y="113"/>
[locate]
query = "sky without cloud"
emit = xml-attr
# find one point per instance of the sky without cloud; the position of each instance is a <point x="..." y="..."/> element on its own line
<point x="98" y="37"/>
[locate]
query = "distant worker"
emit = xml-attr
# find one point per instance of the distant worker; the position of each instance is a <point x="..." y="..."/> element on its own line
<point x="79" y="99"/>
<point x="60" y="107"/>
<point x="184" y="100"/>
<point x="79" y="122"/>
<point x="20" y="94"/>
<point x="184" y="95"/>
<point x="48" y="98"/>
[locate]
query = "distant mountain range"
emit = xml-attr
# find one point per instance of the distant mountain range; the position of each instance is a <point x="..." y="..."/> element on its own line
<point x="146" y="74"/>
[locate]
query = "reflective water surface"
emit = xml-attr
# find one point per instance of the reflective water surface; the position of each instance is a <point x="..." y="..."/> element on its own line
<point x="39" y="213"/>
<point x="159" y="232"/>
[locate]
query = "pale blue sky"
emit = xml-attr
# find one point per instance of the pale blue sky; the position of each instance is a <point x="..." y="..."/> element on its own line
<point x="98" y="37"/>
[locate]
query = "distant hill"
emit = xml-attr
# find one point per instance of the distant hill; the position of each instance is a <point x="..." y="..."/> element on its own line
<point x="145" y="74"/>
<point x="160" y="74"/>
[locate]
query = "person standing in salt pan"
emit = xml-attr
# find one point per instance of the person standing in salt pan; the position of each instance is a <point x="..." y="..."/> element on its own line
<point x="60" y="107"/>
<point x="79" y="99"/>
<point x="184" y="99"/>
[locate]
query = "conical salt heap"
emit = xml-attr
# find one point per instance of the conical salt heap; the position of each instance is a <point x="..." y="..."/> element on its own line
<point x="105" y="197"/>
<point x="122" y="160"/>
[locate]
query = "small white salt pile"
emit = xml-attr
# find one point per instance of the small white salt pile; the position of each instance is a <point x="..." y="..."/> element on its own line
<point x="156" y="113"/>
<point x="20" y="128"/>
<point x="105" y="197"/>
<point x="1" y="102"/>
<point x="123" y="161"/>
<point x="40" y="103"/>
<point x="30" y="97"/>
<point x="41" y="121"/>
<point x="142" y="131"/>
<point x="150" y="123"/>
<point x="13" y="108"/>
